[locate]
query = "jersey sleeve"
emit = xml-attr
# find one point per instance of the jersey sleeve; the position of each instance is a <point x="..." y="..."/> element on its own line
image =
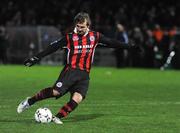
<point x="112" y="43"/>
<point x="54" y="46"/>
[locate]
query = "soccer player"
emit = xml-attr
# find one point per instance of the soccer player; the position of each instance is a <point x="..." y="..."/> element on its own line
<point x="74" y="78"/>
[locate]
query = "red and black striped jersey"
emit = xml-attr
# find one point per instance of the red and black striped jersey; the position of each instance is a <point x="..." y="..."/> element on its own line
<point x="81" y="49"/>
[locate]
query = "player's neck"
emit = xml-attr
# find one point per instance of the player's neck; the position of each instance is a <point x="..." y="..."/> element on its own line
<point x="75" y="31"/>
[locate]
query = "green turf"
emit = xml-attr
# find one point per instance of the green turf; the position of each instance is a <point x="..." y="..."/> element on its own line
<point x="118" y="101"/>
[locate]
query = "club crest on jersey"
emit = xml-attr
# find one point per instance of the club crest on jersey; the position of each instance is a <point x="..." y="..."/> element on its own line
<point x="59" y="84"/>
<point x="92" y="38"/>
<point x="75" y="38"/>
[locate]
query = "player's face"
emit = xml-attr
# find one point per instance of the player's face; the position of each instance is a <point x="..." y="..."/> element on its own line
<point x="81" y="28"/>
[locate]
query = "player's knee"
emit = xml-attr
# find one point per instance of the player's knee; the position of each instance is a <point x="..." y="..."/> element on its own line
<point x="56" y="93"/>
<point x="77" y="97"/>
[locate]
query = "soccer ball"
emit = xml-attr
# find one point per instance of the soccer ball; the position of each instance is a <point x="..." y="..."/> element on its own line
<point x="43" y="115"/>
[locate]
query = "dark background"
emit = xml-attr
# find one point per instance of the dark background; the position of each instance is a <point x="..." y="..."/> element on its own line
<point x="27" y="26"/>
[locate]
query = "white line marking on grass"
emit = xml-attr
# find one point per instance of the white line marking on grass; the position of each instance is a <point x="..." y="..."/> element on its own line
<point x="114" y="103"/>
<point x="121" y="104"/>
<point x="5" y="106"/>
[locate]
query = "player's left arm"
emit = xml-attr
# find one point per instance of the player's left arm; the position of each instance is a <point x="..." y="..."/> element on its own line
<point x="113" y="43"/>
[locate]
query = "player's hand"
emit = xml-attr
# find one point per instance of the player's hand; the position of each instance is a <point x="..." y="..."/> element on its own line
<point x="136" y="46"/>
<point x="132" y="44"/>
<point x="31" y="61"/>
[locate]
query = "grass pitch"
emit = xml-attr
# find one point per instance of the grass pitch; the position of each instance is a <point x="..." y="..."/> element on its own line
<point x="118" y="101"/>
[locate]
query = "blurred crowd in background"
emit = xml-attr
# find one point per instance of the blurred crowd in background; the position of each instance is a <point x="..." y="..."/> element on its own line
<point x="152" y="24"/>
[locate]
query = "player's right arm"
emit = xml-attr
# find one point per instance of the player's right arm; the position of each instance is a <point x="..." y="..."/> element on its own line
<point x="54" y="46"/>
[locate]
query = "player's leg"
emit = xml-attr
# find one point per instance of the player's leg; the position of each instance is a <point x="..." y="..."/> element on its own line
<point x="43" y="94"/>
<point x="70" y="106"/>
<point x="78" y="93"/>
<point x="46" y="93"/>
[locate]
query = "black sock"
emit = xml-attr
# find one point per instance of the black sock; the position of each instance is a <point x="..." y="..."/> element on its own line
<point x="43" y="94"/>
<point x="66" y="109"/>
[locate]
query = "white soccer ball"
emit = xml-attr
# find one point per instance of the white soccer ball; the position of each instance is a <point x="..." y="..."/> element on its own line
<point x="43" y="115"/>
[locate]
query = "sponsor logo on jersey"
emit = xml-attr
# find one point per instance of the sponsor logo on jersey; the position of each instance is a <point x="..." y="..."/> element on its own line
<point x="59" y="84"/>
<point x="82" y="51"/>
<point x="83" y="46"/>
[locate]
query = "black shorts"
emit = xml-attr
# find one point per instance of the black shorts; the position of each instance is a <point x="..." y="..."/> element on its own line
<point x="72" y="80"/>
